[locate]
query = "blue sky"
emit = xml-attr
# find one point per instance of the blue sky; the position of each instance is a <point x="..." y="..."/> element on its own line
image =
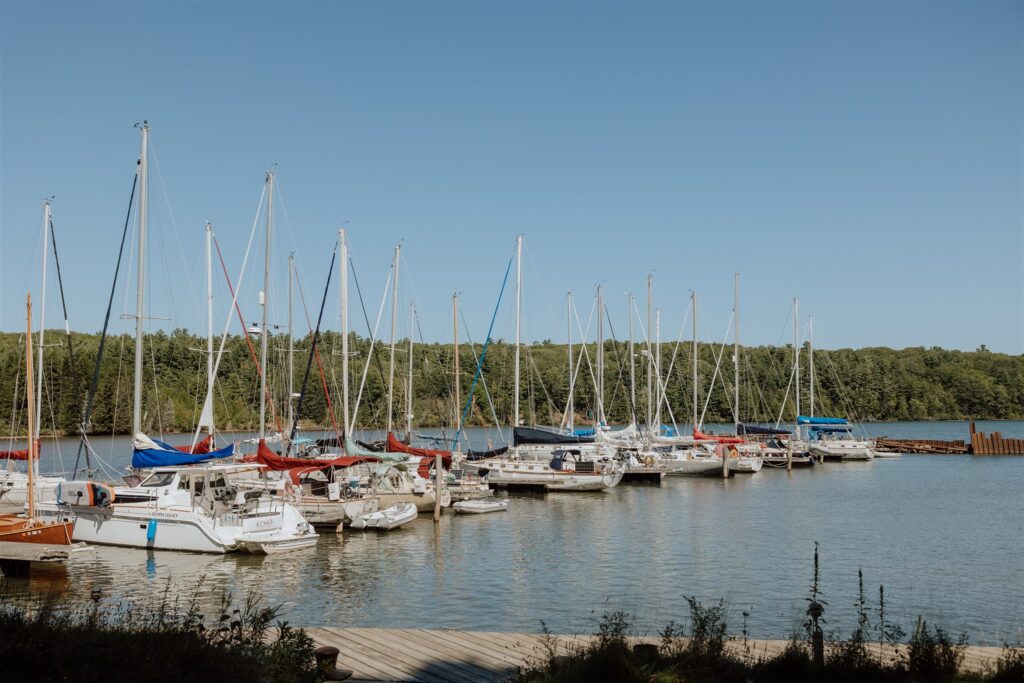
<point x="865" y="157"/>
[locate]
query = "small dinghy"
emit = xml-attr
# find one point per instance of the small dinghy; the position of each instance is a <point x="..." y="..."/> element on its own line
<point x="389" y="518"/>
<point x="887" y="454"/>
<point x="479" y="507"/>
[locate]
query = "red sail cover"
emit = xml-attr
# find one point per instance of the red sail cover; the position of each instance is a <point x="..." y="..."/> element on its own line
<point x="19" y="455"/>
<point x="277" y="463"/>
<point x="202" y="447"/>
<point x="396" y="446"/>
<point x="697" y="434"/>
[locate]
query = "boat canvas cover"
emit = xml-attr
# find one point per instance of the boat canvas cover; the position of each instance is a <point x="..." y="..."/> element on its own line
<point x="277" y="463"/>
<point x="352" y="447"/>
<point x="754" y="430"/>
<point x="701" y="436"/>
<point x="427" y="454"/>
<point x="149" y="452"/>
<point x="528" y="435"/>
<point x="18" y="455"/>
<point x="804" y="420"/>
<point x="203" y="446"/>
<point x="483" y="455"/>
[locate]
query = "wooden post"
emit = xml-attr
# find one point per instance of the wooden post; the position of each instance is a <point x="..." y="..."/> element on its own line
<point x="30" y="392"/>
<point x="789" y="456"/>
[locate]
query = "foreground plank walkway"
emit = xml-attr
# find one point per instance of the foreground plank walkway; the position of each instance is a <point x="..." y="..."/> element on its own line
<point x="435" y="656"/>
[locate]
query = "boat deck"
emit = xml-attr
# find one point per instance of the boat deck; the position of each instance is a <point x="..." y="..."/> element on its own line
<point x="442" y="655"/>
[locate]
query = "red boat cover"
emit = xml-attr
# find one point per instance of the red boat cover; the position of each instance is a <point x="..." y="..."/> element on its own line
<point x="396" y="446"/>
<point x="697" y="434"/>
<point x="202" y="447"/>
<point x="277" y="463"/>
<point x="20" y="455"/>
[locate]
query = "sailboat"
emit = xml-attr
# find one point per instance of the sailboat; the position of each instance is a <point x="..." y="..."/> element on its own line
<point x="190" y="506"/>
<point x="540" y="459"/>
<point x="30" y="529"/>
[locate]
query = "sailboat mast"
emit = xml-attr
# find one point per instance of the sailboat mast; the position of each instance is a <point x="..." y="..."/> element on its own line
<point x="693" y="310"/>
<point x="394" y="317"/>
<point x="265" y="331"/>
<point x="30" y="397"/>
<point x="736" y="350"/>
<point x="810" y="358"/>
<point x="455" y="352"/>
<point x="408" y="392"/>
<point x="141" y="273"/>
<point x="600" y="355"/>
<point x="657" y="369"/>
<point x="796" y="362"/>
<point x="519" y="304"/>
<point x="632" y="359"/>
<point x="571" y="408"/>
<point x="208" y="408"/>
<point x="291" y="341"/>
<point x="650" y="358"/>
<point x="343" y="243"/>
<point x="42" y="315"/>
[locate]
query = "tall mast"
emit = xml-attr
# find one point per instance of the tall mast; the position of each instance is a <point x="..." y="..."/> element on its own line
<point x="736" y="349"/>
<point x="650" y="358"/>
<point x="208" y="403"/>
<point x="600" y="355"/>
<point x="571" y="408"/>
<point x="291" y="341"/>
<point x="408" y="392"/>
<point x="141" y="273"/>
<point x="693" y="311"/>
<point x="519" y="304"/>
<point x="30" y="397"/>
<point x="810" y="357"/>
<point x="657" y="369"/>
<point x="394" y="317"/>
<point x="455" y="344"/>
<point x="42" y="315"/>
<point x="343" y="242"/>
<point x="632" y="361"/>
<point x="265" y="331"/>
<point x="796" y="362"/>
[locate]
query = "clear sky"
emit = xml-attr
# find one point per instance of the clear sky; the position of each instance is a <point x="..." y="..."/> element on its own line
<point x="863" y="156"/>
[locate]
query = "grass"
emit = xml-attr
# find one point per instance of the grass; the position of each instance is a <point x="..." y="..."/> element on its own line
<point x="51" y="639"/>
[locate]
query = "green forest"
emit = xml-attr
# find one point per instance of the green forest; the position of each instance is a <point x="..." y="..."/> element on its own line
<point x="864" y="384"/>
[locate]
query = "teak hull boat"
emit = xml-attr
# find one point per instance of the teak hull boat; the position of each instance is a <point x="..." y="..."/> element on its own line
<point x="22" y="530"/>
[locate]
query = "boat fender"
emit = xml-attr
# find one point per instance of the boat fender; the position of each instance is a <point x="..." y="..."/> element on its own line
<point x="151" y="530"/>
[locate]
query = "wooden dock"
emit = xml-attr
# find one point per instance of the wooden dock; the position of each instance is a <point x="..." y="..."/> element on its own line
<point x="996" y="444"/>
<point x="922" y="446"/>
<point x="443" y="656"/>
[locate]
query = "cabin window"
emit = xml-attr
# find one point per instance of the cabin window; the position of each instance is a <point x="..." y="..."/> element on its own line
<point x="158" y="479"/>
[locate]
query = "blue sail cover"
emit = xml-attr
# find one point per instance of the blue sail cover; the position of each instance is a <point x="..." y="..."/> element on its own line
<point x="155" y="453"/>
<point x="804" y="420"/>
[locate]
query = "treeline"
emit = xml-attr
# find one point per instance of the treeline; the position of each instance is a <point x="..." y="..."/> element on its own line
<point x="866" y="384"/>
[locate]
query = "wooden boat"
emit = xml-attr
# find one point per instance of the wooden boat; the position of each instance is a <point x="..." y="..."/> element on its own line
<point x="388" y="518"/>
<point x="479" y="507"/>
<point x="28" y="529"/>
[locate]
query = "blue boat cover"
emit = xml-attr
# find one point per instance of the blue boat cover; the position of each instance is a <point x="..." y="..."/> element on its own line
<point x="804" y="420"/>
<point x="584" y="431"/>
<point x="165" y="455"/>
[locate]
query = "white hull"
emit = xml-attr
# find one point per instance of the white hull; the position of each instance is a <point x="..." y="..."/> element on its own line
<point x="535" y="473"/>
<point x="842" y="453"/>
<point x="480" y="507"/>
<point x="745" y="465"/>
<point x="385" y="520"/>
<point x="14" y="488"/>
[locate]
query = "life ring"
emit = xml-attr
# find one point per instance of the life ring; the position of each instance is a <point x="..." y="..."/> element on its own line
<point x="446" y="498"/>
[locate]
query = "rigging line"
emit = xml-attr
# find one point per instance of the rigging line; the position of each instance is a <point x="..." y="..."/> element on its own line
<point x="64" y="307"/>
<point x="241" y="320"/>
<point x="174" y="227"/>
<point x="483" y="379"/>
<point x="312" y="352"/>
<point x="483" y="355"/>
<point x="618" y="360"/>
<point x="362" y="305"/>
<point x="87" y="413"/>
<point x="319" y="362"/>
<point x="14" y="405"/>
<point x="714" y="376"/>
<point x="373" y="342"/>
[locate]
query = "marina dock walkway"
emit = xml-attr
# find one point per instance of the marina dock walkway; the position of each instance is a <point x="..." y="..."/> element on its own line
<point x="442" y="655"/>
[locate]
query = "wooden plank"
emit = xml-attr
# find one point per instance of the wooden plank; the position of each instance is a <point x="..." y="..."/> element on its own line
<point x="517" y="650"/>
<point x="382" y="661"/>
<point x="421" y="661"/>
<point x="497" y="657"/>
<point x="474" y="664"/>
<point x="365" y="664"/>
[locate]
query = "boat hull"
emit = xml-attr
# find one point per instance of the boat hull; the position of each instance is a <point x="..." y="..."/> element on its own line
<point x="22" y="530"/>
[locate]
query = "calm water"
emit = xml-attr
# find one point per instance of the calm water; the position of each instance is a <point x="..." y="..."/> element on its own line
<point x="944" y="534"/>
